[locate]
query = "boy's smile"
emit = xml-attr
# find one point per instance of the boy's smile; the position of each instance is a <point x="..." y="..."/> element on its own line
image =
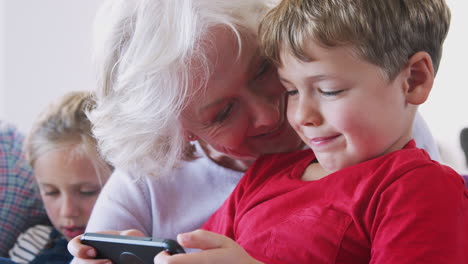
<point x="344" y="107"/>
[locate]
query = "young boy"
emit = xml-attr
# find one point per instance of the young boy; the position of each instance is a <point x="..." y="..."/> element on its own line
<point x="355" y="73"/>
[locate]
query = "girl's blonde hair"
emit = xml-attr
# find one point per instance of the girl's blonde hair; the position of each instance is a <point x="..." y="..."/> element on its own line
<point x="64" y="125"/>
<point x="151" y="56"/>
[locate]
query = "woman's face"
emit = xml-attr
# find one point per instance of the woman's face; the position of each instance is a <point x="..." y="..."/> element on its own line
<point x="242" y="110"/>
<point x="69" y="187"/>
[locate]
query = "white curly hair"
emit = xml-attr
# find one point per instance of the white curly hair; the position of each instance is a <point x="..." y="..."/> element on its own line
<point x="147" y="53"/>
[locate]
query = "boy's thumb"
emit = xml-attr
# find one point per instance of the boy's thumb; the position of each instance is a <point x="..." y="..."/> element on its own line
<point x="202" y="239"/>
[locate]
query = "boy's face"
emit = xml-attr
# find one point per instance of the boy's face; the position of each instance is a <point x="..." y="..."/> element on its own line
<point x="69" y="188"/>
<point x="344" y="107"/>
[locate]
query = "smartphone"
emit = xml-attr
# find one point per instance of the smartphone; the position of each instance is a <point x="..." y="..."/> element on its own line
<point x="129" y="249"/>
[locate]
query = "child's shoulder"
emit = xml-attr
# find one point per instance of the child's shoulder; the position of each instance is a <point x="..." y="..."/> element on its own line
<point x="415" y="166"/>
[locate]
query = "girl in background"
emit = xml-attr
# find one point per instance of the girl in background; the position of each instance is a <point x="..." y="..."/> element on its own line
<point x="70" y="174"/>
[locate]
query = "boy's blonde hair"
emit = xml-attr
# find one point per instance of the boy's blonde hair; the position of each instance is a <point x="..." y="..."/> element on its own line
<point x="384" y="32"/>
<point x="64" y="125"/>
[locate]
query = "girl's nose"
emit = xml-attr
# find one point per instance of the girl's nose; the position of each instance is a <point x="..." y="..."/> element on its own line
<point x="69" y="207"/>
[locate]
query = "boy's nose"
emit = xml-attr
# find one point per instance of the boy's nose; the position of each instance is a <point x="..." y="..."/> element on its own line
<point x="308" y="114"/>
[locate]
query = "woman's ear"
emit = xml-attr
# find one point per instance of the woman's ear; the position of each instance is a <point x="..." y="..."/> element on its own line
<point x="420" y="78"/>
<point x="189" y="136"/>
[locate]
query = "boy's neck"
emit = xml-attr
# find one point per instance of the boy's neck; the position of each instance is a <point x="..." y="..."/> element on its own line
<point x="314" y="172"/>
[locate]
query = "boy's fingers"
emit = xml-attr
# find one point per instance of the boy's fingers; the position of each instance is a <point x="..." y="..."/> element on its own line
<point x="215" y="249"/>
<point x="203" y="239"/>
<point x="162" y="257"/>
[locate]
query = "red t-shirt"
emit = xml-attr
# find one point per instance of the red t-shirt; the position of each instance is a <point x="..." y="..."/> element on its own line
<point x="399" y="208"/>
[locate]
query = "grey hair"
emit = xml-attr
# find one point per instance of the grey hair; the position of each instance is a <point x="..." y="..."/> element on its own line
<point x="148" y="54"/>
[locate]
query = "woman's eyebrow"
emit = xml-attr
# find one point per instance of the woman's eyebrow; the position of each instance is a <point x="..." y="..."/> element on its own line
<point x="212" y="104"/>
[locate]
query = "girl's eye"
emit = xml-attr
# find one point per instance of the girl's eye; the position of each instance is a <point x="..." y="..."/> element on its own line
<point x="330" y="93"/>
<point x="51" y="193"/>
<point x="221" y="116"/>
<point x="89" y="193"/>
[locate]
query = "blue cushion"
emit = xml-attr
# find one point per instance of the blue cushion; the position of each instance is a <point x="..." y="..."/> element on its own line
<point x="465" y="177"/>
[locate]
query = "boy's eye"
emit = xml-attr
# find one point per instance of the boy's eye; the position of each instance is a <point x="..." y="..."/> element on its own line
<point x="330" y="93"/>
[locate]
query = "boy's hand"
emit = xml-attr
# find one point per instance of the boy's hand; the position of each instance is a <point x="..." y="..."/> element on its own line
<point x="215" y="249"/>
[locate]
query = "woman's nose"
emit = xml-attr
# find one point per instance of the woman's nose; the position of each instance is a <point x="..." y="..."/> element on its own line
<point x="266" y="112"/>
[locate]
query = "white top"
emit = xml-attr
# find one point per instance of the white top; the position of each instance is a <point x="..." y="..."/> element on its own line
<point x="184" y="200"/>
<point x="424" y="138"/>
<point x="164" y="207"/>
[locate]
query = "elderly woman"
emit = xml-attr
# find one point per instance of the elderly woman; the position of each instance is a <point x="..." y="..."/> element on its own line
<point x="186" y="104"/>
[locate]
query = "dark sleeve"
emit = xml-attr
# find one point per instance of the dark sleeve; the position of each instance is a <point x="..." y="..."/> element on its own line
<point x="56" y="251"/>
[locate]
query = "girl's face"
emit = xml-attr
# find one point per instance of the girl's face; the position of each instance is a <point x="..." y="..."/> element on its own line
<point x="69" y="187"/>
<point x="242" y="111"/>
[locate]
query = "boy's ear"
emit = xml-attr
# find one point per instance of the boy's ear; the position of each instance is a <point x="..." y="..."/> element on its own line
<point x="419" y="78"/>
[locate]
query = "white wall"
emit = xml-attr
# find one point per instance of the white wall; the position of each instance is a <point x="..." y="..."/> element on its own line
<point x="446" y="110"/>
<point x="46" y="47"/>
<point x="45" y="51"/>
<point x="2" y="59"/>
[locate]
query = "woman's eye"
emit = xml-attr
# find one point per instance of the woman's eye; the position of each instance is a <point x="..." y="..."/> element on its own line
<point x="221" y="116"/>
<point x="330" y="93"/>
<point x="291" y="93"/>
<point x="264" y="68"/>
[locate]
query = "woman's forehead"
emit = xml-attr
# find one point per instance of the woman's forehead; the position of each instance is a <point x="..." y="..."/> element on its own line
<point x="224" y="62"/>
<point x="223" y="47"/>
<point x="230" y="69"/>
